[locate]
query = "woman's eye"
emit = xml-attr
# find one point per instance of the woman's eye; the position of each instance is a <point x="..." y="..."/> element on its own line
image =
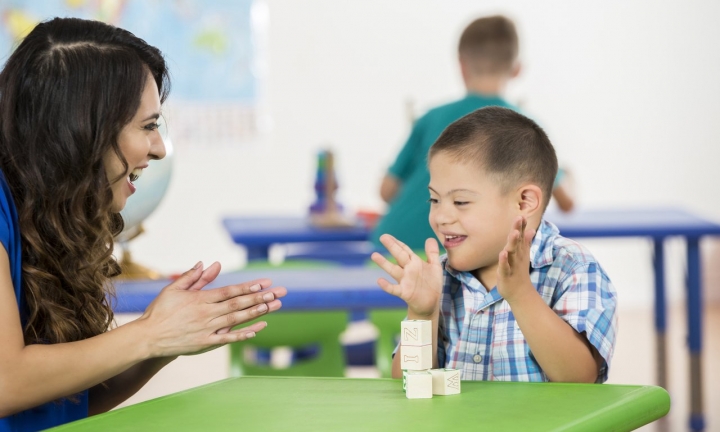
<point x="433" y="201"/>
<point x="152" y="126"/>
<point x="460" y="203"/>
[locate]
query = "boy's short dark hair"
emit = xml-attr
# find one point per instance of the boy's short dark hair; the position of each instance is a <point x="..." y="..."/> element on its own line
<point x="489" y="45"/>
<point x="507" y="145"/>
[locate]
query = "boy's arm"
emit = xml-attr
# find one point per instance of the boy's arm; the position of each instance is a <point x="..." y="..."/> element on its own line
<point x="419" y="283"/>
<point x="389" y="188"/>
<point x="563" y="354"/>
<point x="562" y="197"/>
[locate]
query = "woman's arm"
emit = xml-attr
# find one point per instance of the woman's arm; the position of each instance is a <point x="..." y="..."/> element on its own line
<point x="113" y="392"/>
<point x="180" y="321"/>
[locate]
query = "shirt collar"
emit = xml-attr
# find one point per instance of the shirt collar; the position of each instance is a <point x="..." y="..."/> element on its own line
<point x="541" y="249"/>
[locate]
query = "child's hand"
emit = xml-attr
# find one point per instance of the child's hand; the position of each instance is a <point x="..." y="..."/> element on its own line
<point x="419" y="283"/>
<point x="514" y="262"/>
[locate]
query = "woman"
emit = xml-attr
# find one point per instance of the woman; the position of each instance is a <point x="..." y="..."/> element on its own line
<point x="79" y="104"/>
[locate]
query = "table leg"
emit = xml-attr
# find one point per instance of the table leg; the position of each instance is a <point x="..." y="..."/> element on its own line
<point x="694" y="321"/>
<point x="660" y="313"/>
<point x="257" y="253"/>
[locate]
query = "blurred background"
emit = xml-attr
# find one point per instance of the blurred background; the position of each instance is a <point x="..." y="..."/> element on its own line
<point x="627" y="91"/>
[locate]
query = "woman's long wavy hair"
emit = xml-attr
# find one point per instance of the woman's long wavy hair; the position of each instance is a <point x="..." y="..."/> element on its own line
<point x="65" y="94"/>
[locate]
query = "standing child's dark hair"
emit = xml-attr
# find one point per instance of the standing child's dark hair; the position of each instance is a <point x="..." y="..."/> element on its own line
<point x="508" y="146"/>
<point x="65" y="95"/>
<point x="489" y="45"/>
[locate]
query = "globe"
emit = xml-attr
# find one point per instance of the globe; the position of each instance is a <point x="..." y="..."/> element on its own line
<point x="151" y="188"/>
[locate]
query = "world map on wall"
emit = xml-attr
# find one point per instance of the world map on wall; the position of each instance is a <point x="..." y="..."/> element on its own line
<point x="208" y="44"/>
<point x="211" y="48"/>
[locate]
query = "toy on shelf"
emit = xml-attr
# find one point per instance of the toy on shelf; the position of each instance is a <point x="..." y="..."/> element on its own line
<point x="325" y="211"/>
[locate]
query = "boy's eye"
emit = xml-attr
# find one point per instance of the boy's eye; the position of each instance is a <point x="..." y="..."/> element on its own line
<point x="152" y="126"/>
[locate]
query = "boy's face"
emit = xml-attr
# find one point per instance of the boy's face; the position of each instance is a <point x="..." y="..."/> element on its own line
<point x="469" y="214"/>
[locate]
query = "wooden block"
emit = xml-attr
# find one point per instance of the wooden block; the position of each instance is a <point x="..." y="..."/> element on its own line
<point x="418" y="384"/>
<point x="415" y="357"/>
<point x="416" y="332"/>
<point x="445" y="381"/>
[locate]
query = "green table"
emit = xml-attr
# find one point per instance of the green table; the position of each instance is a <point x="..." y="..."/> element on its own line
<point x="343" y="404"/>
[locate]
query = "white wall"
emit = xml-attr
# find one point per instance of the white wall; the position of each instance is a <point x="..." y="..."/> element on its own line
<point x="628" y="92"/>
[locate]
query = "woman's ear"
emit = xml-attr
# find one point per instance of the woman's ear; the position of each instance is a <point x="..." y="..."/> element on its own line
<point x="530" y="199"/>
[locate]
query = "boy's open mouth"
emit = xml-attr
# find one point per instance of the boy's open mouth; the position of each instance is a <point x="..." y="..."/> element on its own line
<point x="453" y="240"/>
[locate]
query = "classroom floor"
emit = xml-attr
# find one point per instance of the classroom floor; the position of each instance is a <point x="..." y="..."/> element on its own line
<point x="634" y="363"/>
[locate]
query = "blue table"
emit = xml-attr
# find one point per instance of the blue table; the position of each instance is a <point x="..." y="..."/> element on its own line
<point x="658" y="224"/>
<point x="258" y="234"/>
<point x="348" y="288"/>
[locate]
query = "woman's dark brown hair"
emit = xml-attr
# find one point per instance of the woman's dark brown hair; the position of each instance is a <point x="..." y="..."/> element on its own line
<point x="65" y="94"/>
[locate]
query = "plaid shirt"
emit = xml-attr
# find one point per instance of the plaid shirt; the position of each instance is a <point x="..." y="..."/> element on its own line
<point x="479" y="334"/>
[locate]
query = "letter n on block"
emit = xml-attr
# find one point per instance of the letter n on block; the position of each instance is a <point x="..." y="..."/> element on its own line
<point x="416" y="332"/>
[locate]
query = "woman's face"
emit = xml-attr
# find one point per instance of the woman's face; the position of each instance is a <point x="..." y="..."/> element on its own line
<point x="139" y="142"/>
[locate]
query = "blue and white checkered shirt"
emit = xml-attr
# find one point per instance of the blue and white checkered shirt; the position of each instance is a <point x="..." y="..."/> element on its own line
<point x="480" y="335"/>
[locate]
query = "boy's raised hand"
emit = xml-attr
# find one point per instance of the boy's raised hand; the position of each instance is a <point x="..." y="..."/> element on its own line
<point x="514" y="262"/>
<point x="419" y="283"/>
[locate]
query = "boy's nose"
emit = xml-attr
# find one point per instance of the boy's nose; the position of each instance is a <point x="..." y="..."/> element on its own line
<point x="442" y="216"/>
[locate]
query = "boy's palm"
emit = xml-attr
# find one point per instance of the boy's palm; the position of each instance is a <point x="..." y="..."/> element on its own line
<point x="419" y="283"/>
<point x="514" y="261"/>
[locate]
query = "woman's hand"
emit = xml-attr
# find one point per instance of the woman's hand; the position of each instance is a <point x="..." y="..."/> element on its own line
<point x="184" y="319"/>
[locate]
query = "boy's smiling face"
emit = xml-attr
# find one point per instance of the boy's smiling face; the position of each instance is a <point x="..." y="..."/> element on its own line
<point x="470" y="215"/>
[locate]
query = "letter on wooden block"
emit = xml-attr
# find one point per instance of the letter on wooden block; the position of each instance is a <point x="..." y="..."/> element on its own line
<point x="415" y="357"/>
<point x="418" y="384"/>
<point x="416" y="332"/>
<point x="446" y="381"/>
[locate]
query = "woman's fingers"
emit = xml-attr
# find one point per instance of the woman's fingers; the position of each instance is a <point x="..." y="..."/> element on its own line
<point x="187" y="279"/>
<point x="232" y="319"/>
<point x="238" y="335"/>
<point x="216" y="295"/>
<point x="208" y="275"/>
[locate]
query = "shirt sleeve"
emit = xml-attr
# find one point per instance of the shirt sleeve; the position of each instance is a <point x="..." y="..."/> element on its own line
<point x="5" y="228"/>
<point x="588" y="303"/>
<point x="412" y="154"/>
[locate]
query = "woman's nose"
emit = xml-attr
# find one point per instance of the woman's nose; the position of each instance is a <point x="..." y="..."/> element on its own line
<point x="157" y="147"/>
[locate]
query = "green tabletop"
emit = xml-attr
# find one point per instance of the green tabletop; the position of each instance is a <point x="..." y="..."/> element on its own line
<point x="344" y="404"/>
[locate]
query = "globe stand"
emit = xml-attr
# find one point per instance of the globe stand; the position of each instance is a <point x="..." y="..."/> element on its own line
<point x="130" y="269"/>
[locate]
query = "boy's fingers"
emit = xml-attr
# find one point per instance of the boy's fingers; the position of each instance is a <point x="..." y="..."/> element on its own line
<point x="390" y="268"/>
<point x="396" y="249"/>
<point x="432" y="250"/>
<point x="529" y="234"/>
<point x="389" y="288"/>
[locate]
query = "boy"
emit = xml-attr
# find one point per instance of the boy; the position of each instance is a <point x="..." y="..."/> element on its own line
<point x="487" y="50"/>
<point x="528" y="306"/>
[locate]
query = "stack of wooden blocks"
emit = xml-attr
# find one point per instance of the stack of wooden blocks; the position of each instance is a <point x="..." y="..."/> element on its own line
<point x="419" y="380"/>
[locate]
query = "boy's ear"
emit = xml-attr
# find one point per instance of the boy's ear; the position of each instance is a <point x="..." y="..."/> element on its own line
<point x="530" y="198"/>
